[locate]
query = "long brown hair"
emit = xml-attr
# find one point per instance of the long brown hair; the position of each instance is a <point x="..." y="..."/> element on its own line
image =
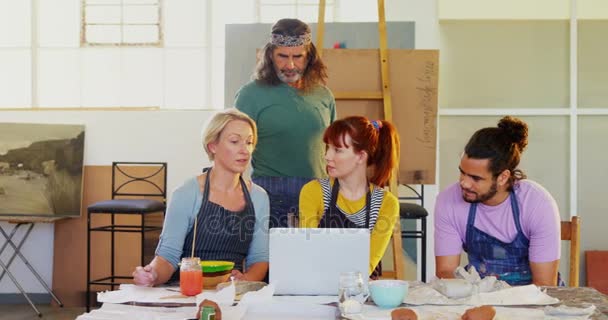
<point x="315" y="72"/>
<point x="502" y="145"/>
<point x="378" y="138"/>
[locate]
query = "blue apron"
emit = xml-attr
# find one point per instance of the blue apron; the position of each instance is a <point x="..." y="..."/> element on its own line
<point x="221" y="234"/>
<point x="333" y="218"/>
<point x="284" y="197"/>
<point x="491" y="257"/>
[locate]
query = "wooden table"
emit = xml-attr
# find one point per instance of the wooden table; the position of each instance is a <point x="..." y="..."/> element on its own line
<point x="578" y="297"/>
<point x="573" y="297"/>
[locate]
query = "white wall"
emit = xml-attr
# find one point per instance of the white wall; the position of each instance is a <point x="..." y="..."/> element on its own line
<point x="38" y="250"/>
<point x="424" y="14"/>
<point x="169" y="136"/>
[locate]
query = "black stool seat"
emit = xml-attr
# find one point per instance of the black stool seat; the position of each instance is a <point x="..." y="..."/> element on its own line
<point x="415" y="211"/>
<point x="412" y="211"/>
<point x="138" y="191"/>
<point x="126" y="206"/>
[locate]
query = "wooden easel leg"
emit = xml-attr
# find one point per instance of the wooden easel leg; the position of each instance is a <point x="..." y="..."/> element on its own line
<point x="398" y="258"/>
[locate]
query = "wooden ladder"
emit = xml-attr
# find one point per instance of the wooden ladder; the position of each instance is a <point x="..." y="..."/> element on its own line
<point x="385" y="96"/>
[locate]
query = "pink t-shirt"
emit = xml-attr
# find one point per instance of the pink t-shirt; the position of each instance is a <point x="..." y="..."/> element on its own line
<point x="539" y="219"/>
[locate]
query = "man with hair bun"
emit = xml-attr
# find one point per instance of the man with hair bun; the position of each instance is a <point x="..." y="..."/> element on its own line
<point x="508" y="225"/>
<point x="291" y="106"/>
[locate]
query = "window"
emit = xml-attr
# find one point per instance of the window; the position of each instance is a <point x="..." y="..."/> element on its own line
<point x="167" y="54"/>
<point x="306" y="10"/>
<point x="121" y="22"/>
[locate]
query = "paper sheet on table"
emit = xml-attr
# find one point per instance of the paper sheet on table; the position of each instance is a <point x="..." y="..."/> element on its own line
<point x="110" y="311"/>
<point x="293" y="311"/>
<point x="454" y="313"/>
<point x="428" y="295"/>
<point x="260" y="305"/>
<point x="223" y="297"/>
<point x="263" y="295"/>
<point x="290" y="311"/>
<point x="133" y="293"/>
<point x="307" y="299"/>
<point x="263" y="305"/>
<point x="514" y="296"/>
<point x="570" y="311"/>
<point x="265" y="311"/>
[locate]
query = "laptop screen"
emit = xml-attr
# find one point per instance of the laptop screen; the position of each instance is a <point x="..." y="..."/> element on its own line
<point x="308" y="261"/>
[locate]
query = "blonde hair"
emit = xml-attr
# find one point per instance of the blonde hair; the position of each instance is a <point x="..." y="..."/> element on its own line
<point x="219" y="121"/>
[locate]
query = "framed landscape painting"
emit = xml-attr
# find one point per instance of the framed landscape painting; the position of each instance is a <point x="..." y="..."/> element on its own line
<point x="41" y="168"/>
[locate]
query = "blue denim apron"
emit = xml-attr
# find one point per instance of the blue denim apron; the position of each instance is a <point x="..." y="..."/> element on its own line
<point x="284" y="197"/>
<point x="221" y="234"/>
<point x="491" y="257"/>
<point x="333" y="218"/>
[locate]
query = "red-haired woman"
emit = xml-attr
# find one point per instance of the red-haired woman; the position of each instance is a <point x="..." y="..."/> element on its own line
<point x="360" y="155"/>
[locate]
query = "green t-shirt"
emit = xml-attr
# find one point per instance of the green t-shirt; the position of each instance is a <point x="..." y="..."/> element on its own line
<point x="290" y="128"/>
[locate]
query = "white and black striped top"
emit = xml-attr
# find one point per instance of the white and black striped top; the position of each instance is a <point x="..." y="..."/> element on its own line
<point x="358" y="218"/>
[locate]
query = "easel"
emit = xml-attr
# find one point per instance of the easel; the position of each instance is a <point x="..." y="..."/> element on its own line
<point x="385" y="96"/>
<point x="29" y="222"/>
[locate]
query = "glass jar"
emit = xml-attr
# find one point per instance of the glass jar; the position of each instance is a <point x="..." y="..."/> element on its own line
<point x="190" y="276"/>
<point x="352" y="293"/>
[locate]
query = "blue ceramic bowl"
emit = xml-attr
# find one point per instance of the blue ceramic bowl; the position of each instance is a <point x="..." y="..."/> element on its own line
<point x="388" y="293"/>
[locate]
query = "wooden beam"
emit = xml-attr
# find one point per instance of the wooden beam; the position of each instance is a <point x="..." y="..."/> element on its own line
<point x="575" y="252"/>
<point x="320" y="27"/>
<point x="358" y="95"/>
<point x="388" y="115"/>
<point x="386" y="89"/>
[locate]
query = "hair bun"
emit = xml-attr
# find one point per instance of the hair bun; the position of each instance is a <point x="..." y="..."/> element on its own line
<point x="516" y="131"/>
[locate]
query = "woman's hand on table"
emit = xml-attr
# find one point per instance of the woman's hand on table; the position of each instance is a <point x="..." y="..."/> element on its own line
<point x="209" y="303"/>
<point x="145" y="276"/>
<point x="237" y="275"/>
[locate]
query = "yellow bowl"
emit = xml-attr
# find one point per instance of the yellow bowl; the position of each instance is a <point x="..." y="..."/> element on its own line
<point x="215" y="272"/>
<point x="216" y="265"/>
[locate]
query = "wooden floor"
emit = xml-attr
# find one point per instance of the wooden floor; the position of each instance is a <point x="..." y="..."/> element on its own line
<point x="25" y="312"/>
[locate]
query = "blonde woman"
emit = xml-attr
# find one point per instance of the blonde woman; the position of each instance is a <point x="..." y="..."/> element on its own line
<point x="232" y="213"/>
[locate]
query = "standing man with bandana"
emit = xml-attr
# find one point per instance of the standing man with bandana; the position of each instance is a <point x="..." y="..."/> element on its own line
<point x="508" y="225"/>
<point x="291" y="106"/>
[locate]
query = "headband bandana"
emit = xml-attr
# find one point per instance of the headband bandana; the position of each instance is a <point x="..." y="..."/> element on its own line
<point x="290" y="41"/>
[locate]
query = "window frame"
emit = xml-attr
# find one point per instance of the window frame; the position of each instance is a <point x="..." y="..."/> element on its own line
<point x="159" y="24"/>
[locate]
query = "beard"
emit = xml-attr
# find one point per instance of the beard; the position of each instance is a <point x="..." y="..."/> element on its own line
<point x="295" y="75"/>
<point x="484" y="196"/>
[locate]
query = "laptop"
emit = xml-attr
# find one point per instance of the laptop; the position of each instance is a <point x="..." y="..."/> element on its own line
<point x="308" y="261"/>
